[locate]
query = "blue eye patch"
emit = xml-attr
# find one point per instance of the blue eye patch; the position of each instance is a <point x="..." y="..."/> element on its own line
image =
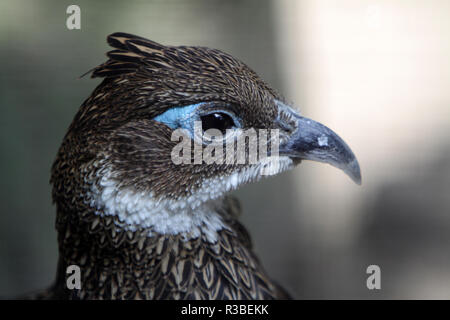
<point x="178" y="117"/>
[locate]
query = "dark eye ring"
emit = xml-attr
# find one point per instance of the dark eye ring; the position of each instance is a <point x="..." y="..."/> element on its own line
<point x="217" y="120"/>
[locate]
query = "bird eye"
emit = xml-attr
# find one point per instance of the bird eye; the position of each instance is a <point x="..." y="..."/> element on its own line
<point x="218" y="120"/>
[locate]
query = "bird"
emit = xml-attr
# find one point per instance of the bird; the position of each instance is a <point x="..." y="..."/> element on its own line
<point x="137" y="224"/>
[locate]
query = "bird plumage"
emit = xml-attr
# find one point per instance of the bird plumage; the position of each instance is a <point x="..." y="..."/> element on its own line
<point x="140" y="226"/>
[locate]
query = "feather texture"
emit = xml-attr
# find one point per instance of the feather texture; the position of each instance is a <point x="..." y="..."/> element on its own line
<point x="114" y="129"/>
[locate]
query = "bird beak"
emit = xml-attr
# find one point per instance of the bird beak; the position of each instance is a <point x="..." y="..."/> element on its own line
<point x="312" y="140"/>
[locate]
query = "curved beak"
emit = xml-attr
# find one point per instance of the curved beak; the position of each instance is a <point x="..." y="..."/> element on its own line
<point x="312" y="140"/>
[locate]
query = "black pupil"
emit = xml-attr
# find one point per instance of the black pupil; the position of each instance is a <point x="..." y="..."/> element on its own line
<point x="219" y="121"/>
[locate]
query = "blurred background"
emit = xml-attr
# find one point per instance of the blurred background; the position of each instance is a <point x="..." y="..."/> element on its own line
<point x="375" y="71"/>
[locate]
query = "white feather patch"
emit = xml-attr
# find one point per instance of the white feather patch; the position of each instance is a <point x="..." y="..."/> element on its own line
<point x="191" y="216"/>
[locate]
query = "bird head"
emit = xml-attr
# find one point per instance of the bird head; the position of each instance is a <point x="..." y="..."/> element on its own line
<point x="156" y="102"/>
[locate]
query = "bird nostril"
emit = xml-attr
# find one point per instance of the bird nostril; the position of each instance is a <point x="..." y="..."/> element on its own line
<point x="287" y="123"/>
